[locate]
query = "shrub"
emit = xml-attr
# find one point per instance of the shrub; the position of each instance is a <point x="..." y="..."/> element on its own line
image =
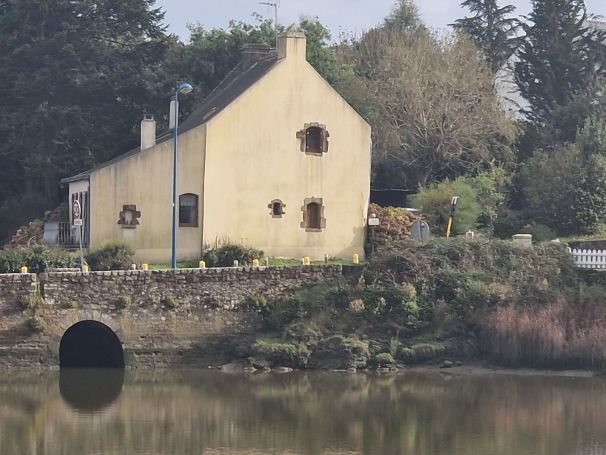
<point x="123" y="302"/>
<point x="565" y="189"/>
<point x="384" y="358"/>
<point x="37" y="324"/>
<point x="69" y="304"/>
<point x="281" y="353"/>
<point x="30" y="302"/>
<point x="226" y="255"/>
<point x="257" y="302"/>
<point x="37" y="259"/>
<point x="169" y="302"/>
<point x="356" y="306"/>
<point x="395" y="223"/>
<point x="113" y="256"/>
<point x="435" y="202"/>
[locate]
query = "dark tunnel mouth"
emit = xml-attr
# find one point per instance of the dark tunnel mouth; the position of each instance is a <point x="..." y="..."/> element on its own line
<point x="90" y="344"/>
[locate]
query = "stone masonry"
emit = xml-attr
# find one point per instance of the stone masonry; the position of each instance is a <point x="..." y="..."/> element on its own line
<point x="162" y="317"/>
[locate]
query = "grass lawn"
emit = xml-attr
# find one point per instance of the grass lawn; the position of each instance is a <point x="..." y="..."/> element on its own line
<point x="272" y="263"/>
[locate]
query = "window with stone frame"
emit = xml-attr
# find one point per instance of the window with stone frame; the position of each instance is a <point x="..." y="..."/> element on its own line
<point x="313" y="215"/>
<point x="188" y="210"/>
<point x="314" y="139"/>
<point x="276" y="208"/>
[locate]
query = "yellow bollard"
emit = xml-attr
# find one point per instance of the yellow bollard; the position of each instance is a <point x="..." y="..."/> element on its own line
<point x="255" y="263"/>
<point x="145" y="266"/>
<point x="24" y="269"/>
<point x="356" y="258"/>
<point x="85" y="268"/>
<point x="202" y="264"/>
<point x="306" y="260"/>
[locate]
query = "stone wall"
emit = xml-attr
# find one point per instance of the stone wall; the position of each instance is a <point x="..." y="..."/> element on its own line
<point x="163" y="318"/>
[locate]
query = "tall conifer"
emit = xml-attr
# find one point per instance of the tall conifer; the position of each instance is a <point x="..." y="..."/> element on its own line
<point x="559" y="58"/>
<point x="492" y="29"/>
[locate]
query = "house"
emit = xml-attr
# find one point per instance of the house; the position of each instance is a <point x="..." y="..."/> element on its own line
<point x="274" y="158"/>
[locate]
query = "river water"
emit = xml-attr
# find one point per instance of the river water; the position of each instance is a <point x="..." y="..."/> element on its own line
<point x="212" y="413"/>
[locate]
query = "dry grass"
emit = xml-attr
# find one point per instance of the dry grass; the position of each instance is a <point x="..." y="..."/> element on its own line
<point x="557" y="335"/>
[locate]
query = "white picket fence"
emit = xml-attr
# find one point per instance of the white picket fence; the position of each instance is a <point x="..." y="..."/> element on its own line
<point x="589" y="259"/>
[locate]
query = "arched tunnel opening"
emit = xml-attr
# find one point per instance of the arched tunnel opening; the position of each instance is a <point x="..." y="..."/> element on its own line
<point x="90" y="344"/>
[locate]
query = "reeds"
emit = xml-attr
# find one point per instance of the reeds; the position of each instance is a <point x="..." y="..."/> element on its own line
<point x="557" y="335"/>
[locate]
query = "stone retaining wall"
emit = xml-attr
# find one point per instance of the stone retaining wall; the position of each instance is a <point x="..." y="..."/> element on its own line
<point x="162" y="317"/>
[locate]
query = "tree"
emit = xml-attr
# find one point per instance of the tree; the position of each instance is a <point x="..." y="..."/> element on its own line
<point x="435" y="202"/>
<point x="432" y="107"/>
<point x="492" y="30"/>
<point x="77" y="76"/>
<point x="75" y="81"/>
<point x="564" y="188"/>
<point x="560" y="56"/>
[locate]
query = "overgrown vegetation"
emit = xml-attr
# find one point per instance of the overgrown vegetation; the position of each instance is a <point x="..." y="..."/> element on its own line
<point x="114" y="256"/>
<point x="444" y="301"/>
<point x="37" y="259"/>
<point x="224" y="256"/>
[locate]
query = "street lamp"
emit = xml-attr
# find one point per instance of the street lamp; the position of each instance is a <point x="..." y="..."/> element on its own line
<point x="183" y="88"/>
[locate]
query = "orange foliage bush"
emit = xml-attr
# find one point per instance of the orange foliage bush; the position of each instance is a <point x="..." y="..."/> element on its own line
<point x="395" y="223"/>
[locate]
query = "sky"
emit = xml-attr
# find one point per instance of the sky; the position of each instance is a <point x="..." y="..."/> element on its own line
<point x="341" y="16"/>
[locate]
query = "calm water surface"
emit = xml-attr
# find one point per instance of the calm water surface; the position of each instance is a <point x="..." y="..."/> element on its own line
<point x="208" y="413"/>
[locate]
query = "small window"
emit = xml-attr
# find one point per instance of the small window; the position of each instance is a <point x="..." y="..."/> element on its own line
<point x="313" y="215"/>
<point x="188" y="210"/>
<point x="314" y="139"/>
<point x="276" y="208"/>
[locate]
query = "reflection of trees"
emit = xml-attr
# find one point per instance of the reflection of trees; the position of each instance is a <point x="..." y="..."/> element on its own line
<point x="310" y="414"/>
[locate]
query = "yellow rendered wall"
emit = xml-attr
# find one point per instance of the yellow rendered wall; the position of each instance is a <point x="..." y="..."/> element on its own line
<point x="145" y="180"/>
<point x="253" y="157"/>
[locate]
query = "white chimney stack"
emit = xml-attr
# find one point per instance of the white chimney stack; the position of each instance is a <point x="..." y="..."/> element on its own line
<point x="171" y="115"/>
<point x="292" y="45"/>
<point x="148" y="132"/>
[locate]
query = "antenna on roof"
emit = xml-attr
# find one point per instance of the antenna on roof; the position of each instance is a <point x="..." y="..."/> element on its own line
<point x="275" y="5"/>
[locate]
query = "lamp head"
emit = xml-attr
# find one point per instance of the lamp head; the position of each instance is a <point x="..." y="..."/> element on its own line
<point x="185" y="88"/>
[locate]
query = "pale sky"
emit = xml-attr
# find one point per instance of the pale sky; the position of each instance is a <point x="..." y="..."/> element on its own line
<point x="339" y="15"/>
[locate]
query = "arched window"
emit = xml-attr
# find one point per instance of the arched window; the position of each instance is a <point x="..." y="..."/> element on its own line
<point x="188" y="210"/>
<point x="314" y="139"/>
<point x="313" y="215"/>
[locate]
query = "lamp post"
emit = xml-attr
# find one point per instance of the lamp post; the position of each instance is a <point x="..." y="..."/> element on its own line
<point x="183" y="88"/>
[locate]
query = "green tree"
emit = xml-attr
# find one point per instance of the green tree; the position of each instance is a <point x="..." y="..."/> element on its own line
<point x="565" y="189"/>
<point x="492" y="29"/>
<point x="559" y="57"/>
<point x="434" y="200"/>
<point x="76" y="77"/>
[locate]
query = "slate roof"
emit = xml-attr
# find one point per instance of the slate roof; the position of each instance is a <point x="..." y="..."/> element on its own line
<point x="234" y="85"/>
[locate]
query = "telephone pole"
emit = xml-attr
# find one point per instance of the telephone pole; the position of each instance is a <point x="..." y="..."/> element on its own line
<point x="275" y="5"/>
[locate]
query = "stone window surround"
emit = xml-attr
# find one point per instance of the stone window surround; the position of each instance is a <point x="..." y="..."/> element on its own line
<point x="302" y="136"/>
<point x="270" y="206"/>
<point x="133" y="222"/>
<point x="306" y="202"/>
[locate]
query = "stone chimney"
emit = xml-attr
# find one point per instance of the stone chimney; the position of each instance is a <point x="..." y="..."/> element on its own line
<point x="252" y="53"/>
<point x="292" y="45"/>
<point x="148" y="132"/>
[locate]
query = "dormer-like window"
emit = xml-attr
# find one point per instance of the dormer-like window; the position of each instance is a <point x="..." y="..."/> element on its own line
<point x="276" y="208"/>
<point x="314" y="139"/>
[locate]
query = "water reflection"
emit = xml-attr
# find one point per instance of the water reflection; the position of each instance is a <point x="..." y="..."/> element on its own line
<point x="308" y="414"/>
<point x="90" y="390"/>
